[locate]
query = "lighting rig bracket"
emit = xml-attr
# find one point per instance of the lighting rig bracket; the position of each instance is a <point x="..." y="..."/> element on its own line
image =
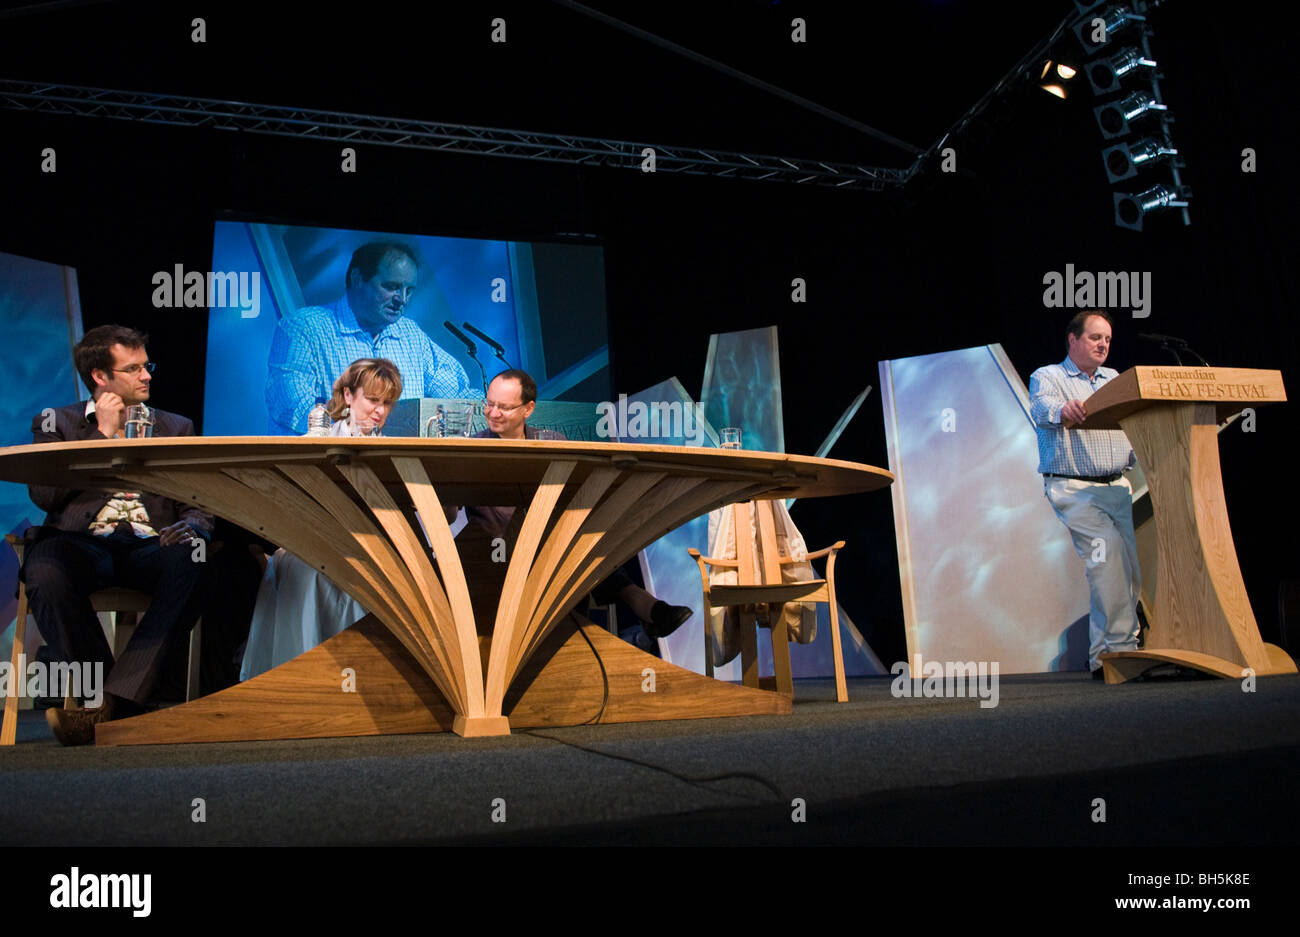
<point x="1131" y="115"/>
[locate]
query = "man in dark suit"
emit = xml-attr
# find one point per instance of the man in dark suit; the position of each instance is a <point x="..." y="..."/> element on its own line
<point x="92" y="540"/>
<point x="511" y="398"/>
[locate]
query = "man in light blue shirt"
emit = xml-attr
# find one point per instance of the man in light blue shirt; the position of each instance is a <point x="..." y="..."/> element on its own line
<point x="316" y="344"/>
<point x="1083" y="479"/>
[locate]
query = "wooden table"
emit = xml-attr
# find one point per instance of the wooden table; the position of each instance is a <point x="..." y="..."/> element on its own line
<point x="435" y="653"/>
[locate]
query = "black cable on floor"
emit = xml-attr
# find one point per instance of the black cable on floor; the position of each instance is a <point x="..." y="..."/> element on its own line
<point x="604" y="676"/>
<point x="694" y="781"/>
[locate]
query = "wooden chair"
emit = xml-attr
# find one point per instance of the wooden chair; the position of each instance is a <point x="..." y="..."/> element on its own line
<point x="116" y="602"/>
<point x="760" y="593"/>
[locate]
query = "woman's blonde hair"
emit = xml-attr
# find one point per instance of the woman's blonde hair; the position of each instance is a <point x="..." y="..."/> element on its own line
<point x="378" y="377"/>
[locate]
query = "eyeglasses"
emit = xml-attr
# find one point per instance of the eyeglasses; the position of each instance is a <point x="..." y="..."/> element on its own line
<point x="135" y="368"/>
<point x="500" y="408"/>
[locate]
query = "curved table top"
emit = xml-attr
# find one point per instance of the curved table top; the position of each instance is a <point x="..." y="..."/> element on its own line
<point x="336" y="502"/>
<point x="466" y="471"/>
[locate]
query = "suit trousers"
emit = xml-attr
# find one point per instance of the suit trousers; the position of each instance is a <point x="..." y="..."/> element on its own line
<point x="63" y="569"/>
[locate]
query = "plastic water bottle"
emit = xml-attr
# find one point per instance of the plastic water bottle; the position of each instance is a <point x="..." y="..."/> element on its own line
<point x="318" y="421"/>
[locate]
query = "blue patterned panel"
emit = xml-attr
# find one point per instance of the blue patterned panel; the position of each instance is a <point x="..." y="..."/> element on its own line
<point x="993" y="575"/>
<point x="742" y="387"/>
<point x="41" y="319"/>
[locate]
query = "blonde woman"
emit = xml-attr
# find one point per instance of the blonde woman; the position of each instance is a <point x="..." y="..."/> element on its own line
<point x="298" y="608"/>
<point x="363" y="397"/>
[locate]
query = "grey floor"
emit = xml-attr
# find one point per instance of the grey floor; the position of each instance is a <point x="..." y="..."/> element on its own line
<point x="1174" y="761"/>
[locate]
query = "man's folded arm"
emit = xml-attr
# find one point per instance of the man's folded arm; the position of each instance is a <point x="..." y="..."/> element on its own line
<point x="46" y="497"/>
<point x="291" y="388"/>
<point x="1045" y="400"/>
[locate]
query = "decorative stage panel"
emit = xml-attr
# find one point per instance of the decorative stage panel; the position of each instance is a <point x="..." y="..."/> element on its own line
<point x="987" y="570"/>
<point x="41" y="315"/>
<point x="742" y="387"/>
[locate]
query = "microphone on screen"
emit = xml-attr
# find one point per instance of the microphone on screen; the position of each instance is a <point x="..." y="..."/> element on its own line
<point x="473" y="349"/>
<point x="497" y="348"/>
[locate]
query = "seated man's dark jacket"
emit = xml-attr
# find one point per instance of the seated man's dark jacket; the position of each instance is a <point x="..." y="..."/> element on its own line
<point x="495" y="521"/>
<point x="73" y="510"/>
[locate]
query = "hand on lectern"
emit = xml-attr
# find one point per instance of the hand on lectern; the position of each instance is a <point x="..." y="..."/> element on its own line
<point x="1074" y="411"/>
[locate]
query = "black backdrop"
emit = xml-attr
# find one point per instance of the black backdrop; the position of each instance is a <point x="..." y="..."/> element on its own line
<point x="955" y="260"/>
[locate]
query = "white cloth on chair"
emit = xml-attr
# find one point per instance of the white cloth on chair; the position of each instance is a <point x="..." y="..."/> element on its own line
<point x="724" y="625"/>
<point x="297" y="608"/>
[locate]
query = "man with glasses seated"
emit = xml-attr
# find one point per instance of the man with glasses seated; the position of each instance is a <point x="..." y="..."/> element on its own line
<point x="511" y="398"/>
<point x="92" y="540"/>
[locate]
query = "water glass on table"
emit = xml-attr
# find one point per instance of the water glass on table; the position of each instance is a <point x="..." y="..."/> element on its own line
<point x="139" y="422"/>
<point x="729" y="437"/>
<point x="456" y="420"/>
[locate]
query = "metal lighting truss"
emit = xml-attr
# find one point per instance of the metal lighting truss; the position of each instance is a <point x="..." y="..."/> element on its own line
<point x="305" y="123"/>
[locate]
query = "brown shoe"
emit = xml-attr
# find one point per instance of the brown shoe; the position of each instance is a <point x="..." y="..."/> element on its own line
<point x="77" y="726"/>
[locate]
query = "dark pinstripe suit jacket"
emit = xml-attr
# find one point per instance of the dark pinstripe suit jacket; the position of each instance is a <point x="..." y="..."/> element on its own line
<point x="72" y="510"/>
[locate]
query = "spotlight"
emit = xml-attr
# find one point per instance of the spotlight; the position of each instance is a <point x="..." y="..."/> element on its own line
<point x="1056" y="78"/>
<point x="1114" y="118"/>
<point x="1131" y="209"/>
<point x="1104" y="75"/>
<point x="1093" y="36"/>
<point x="1125" y="159"/>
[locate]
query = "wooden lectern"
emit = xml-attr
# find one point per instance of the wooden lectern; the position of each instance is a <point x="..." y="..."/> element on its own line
<point x="1202" y="616"/>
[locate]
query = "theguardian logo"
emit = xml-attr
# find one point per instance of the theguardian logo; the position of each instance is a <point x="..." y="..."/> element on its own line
<point x="75" y="890"/>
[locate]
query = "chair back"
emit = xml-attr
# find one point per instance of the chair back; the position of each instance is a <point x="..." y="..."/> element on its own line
<point x="754" y="569"/>
<point x="742" y="517"/>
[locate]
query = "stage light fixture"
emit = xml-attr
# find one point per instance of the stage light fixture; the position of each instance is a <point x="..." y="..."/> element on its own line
<point x="1104" y="75"/>
<point x="1056" y="77"/>
<point x="1131" y="209"/>
<point x="1124" y="160"/>
<point x="1114" y="118"/>
<point x="1113" y="20"/>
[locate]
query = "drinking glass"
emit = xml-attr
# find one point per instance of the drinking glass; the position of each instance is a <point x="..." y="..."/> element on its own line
<point x="455" y="420"/>
<point x="139" y="422"/>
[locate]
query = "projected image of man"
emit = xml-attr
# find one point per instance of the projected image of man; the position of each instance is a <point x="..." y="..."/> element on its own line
<point x="314" y="345"/>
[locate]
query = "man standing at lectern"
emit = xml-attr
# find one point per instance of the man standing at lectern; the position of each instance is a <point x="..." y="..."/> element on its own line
<point x="1083" y="479"/>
